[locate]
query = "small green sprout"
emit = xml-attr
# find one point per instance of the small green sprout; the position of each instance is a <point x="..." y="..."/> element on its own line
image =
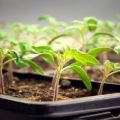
<point x="110" y="68"/>
<point x="6" y="56"/>
<point x="78" y="30"/>
<point x="61" y="62"/>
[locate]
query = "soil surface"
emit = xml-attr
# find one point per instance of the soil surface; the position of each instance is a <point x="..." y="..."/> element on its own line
<point x="40" y="90"/>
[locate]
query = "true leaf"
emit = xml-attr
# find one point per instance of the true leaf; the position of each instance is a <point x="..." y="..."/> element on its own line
<point x="41" y="49"/>
<point x="50" y="19"/>
<point x="85" y="59"/>
<point x="48" y="58"/>
<point x="117" y="49"/>
<point x="24" y="47"/>
<point x="96" y="51"/>
<point x="109" y="66"/>
<point x="21" y="63"/>
<point x="34" y="66"/>
<point x="91" y="23"/>
<point x="83" y="75"/>
<point x="13" y="54"/>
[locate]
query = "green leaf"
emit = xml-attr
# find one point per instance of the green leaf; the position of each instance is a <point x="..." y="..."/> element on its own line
<point x="103" y="33"/>
<point x="107" y="34"/>
<point x="30" y="56"/>
<point x="96" y="51"/>
<point x="13" y="54"/>
<point x="21" y="63"/>
<point x="29" y="63"/>
<point x="69" y="66"/>
<point x="49" y="19"/>
<point x="91" y="23"/>
<point x="42" y="49"/>
<point x="83" y="75"/>
<point x="48" y="58"/>
<point x="110" y="66"/>
<point x="16" y="56"/>
<point x="81" y="57"/>
<point x="24" y="47"/>
<point x="85" y="59"/>
<point x="1" y="52"/>
<point x="34" y="66"/>
<point x="117" y="49"/>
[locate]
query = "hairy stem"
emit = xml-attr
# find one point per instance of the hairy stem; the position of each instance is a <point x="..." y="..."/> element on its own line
<point x="55" y="83"/>
<point x="114" y="72"/>
<point x="8" y="61"/>
<point x="1" y="78"/>
<point x="10" y="73"/>
<point x="104" y="79"/>
<point x="101" y="85"/>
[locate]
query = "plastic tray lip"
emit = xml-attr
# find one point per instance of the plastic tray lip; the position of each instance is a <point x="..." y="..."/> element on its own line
<point x="62" y="102"/>
<point x="78" y="113"/>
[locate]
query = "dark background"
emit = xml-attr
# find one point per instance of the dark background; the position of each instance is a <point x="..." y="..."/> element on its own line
<point x="28" y="10"/>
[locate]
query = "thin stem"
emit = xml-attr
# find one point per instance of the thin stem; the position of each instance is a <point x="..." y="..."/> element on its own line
<point x="56" y="79"/>
<point x="101" y="85"/>
<point x="106" y="75"/>
<point x="10" y="69"/>
<point x="104" y="56"/>
<point x="8" y="61"/>
<point x="56" y="37"/>
<point x="113" y="73"/>
<point x="1" y="79"/>
<point x="56" y="85"/>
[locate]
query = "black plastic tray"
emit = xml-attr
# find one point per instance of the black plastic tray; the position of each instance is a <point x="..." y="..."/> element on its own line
<point x="22" y="109"/>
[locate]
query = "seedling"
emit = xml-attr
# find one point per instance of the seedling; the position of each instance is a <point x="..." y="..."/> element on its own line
<point x="109" y="68"/>
<point x="78" y="30"/>
<point x="10" y="56"/>
<point x="61" y="63"/>
<point x="52" y="21"/>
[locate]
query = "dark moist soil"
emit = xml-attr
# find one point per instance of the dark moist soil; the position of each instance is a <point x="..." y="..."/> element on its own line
<point x="38" y="90"/>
